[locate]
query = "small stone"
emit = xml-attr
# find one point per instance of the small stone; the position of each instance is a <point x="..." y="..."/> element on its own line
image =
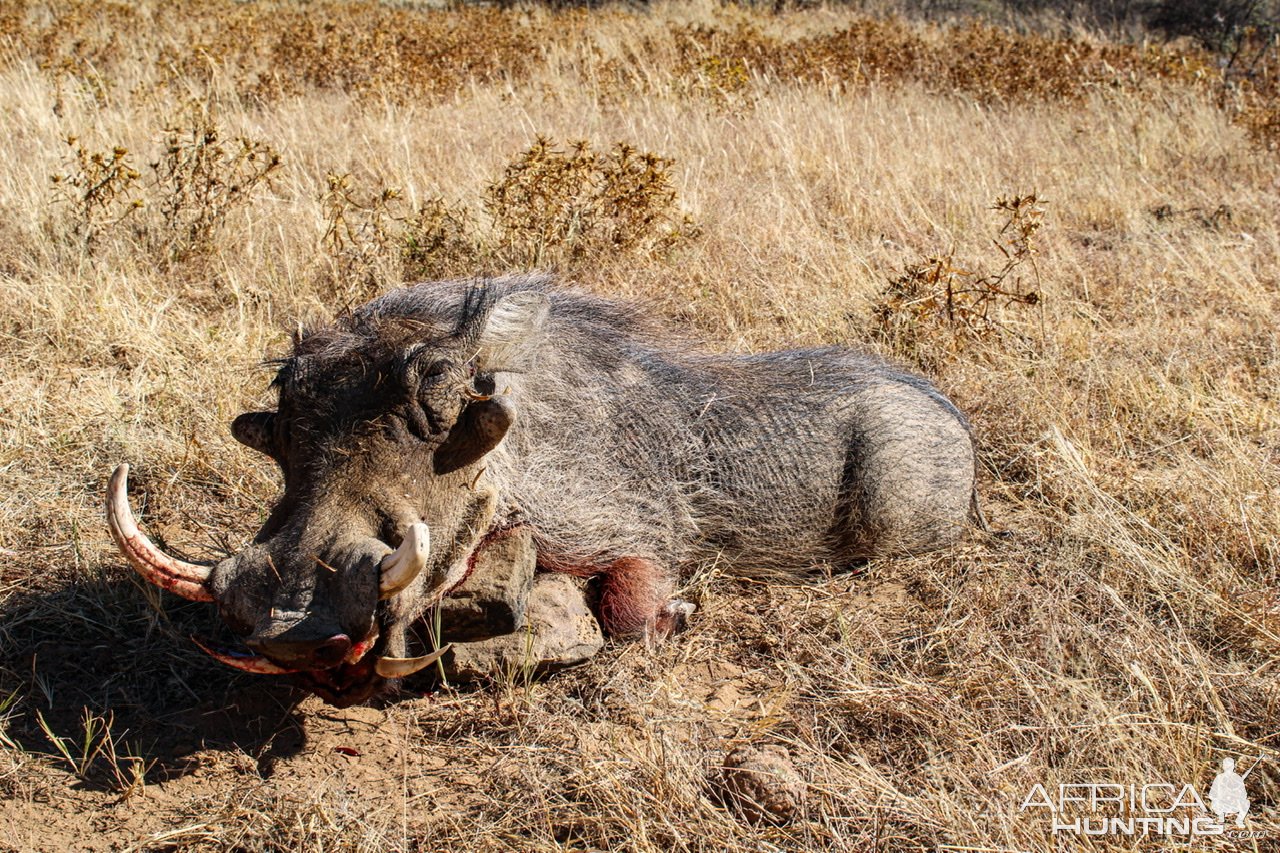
<point x="559" y="632"/>
<point x="491" y="601"/>
<point x="763" y="785"/>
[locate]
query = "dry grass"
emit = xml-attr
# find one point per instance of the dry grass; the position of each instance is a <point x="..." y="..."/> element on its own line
<point x="765" y="179"/>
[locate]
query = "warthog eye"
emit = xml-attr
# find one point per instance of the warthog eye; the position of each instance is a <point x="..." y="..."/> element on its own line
<point x="434" y="372"/>
<point x="430" y="409"/>
<point x="427" y="373"/>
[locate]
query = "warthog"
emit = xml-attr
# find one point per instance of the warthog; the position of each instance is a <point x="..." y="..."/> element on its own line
<point x="415" y="430"/>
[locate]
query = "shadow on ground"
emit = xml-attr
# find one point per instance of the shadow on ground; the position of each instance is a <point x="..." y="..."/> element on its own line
<point x="98" y="667"/>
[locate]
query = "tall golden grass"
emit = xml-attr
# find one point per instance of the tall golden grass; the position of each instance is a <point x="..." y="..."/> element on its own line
<point x="178" y="190"/>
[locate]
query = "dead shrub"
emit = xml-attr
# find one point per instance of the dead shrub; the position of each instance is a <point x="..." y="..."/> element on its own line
<point x="197" y="181"/>
<point x="372" y="239"/>
<point x="375" y="50"/>
<point x="440" y="241"/>
<point x="363" y="231"/>
<point x="886" y="51"/>
<point x="557" y="206"/>
<point x="988" y="63"/>
<point x="99" y="189"/>
<point x="717" y="64"/>
<point x="550" y="207"/>
<point x="936" y="309"/>
<point x="201" y="178"/>
<point x="83" y="38"/>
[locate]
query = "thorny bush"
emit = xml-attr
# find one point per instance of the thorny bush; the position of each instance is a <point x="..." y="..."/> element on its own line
<point x="551" y="207"/>
<point x="197" y="180"/>
<point x="382" y="53"/>
<point x="554" y="206"/>
<point x="200" y="178"/>
<point x="935" y="308"/>
<point x="100" y="189"/>
<point x="361" y="232"/>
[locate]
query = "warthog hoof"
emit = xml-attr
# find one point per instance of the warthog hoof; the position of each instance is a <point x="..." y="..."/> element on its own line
<point x="673" y="618"/>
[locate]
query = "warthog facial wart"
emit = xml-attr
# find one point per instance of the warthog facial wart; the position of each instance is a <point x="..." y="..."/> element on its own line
<point x="417" y="430"/>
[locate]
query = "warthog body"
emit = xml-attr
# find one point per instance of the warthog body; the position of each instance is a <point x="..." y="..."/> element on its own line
<point x="474" y="407"/>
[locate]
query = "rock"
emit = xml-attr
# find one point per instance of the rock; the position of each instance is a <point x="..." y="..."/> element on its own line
<point x="762" y="784"/>
<point x="559" y="632"/>
<point x="492" y="600"/>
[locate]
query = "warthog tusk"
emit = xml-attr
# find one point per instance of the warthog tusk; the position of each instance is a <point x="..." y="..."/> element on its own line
<point x="247" y="661"/>
<point x="178" y="576"/>
<point x="399" y="568"/>
<point x="401" y="667"/>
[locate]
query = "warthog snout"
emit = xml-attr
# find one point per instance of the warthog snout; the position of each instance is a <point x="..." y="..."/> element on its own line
<point x="312" y="610"/>
<point x="302" y="653"/>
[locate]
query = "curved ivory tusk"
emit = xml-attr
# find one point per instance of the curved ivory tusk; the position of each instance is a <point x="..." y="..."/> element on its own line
<point x="178" y="576"/>
<point x="401" y="667"/>
<point x="247" y="661"/>
<point x="399" y="568"/>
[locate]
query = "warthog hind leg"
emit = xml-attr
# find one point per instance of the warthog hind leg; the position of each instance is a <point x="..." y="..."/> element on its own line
<point x="634" y="596"/>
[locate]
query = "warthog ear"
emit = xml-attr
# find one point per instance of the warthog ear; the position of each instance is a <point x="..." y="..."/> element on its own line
<point x="478" y="430"/>
<point x="256" y="430"/>
<point x="512" y="331"/>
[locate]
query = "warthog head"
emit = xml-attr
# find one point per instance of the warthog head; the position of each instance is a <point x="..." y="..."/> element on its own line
<point x="380" y="432"/>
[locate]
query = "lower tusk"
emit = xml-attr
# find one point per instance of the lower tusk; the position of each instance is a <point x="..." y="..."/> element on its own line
<point x="401" y="667"/>
<point x="178" y="576"/>
<point x="399" y="568"/>
<point x="246" y="661"/>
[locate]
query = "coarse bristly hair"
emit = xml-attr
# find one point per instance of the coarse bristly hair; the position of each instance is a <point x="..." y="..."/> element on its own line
<point x="630" y="443"/>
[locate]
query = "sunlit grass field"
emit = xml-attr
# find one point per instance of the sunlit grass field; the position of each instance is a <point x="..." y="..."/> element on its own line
<point x="1076" y="238"/>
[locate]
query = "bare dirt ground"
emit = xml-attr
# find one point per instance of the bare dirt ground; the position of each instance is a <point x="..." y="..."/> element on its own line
<point x="233" y="762"/>
<point x="1076" y="237"/>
